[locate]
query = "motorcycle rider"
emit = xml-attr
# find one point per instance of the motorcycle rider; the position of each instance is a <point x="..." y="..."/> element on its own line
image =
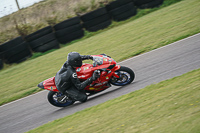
<point x="66" y="78"/>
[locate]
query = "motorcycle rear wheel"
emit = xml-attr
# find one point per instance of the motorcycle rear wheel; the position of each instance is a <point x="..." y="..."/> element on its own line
<point x="126" y="76"/>
<point x="58" y="99"/>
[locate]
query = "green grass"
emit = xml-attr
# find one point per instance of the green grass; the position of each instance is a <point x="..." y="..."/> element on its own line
<point x="149" y="32"/>
<point x="171" y="106"/>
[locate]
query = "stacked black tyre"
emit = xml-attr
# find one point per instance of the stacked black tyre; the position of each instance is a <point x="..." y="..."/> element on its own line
<point x="1" y="57"/>
<point x="142" y="4"/>
<point x="69" y="30"/>
<point x="1" y="64"/>
<point x="15" y="51"/>
<point x="42" y="40"/>
<point x="121" y="10"/>
<point x="96" y="20"/>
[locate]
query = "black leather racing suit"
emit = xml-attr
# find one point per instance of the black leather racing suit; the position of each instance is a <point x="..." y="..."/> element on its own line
<point x="67" y="82"/>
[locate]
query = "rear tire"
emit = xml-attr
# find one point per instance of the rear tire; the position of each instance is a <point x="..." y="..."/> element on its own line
<point x="59" y="100"/>
<point x="126" y="76"/>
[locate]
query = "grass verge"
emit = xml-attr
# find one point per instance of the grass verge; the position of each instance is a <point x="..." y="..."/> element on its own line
<point x="171" y="106"/>
<point x="149" y="32"/>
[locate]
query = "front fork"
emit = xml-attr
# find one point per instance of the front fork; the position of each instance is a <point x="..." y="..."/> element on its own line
<point x="115" y="76"/>
<point x="117" y="67"/>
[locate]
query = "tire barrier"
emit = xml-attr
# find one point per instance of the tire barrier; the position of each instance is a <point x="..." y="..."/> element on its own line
<point x="150" y="4"/>
<point x="123" y="12"/>
<point x="1" y="55"/>
<point x="17" y="54"/>
<point x="117" y="3"/>
<point x="1" y="64"/>
<point x="47" y="38"/>
<point x="142" y="2"/>
<point x="14" y="51"/>
<point x="67" y="23"/>
<point x="96" y="20"/>
<point x="54" y="44"/>
<point x="44" y="43"/>
<point x="100" y="26"/>
<point x="12" y="43"/>
<point x="68" y="30"/>
<point x="70" y="37"/>
<point x="42" y="40"/>
<point x="42" y="32"/>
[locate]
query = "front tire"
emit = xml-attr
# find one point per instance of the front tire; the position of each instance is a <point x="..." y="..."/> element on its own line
<point x="126" y="76"/>
<point x="58" y="99"/>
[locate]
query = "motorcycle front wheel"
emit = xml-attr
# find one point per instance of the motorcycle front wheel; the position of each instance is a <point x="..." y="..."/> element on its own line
<point x="58" y="99"/>
<point x="126" y="76"/>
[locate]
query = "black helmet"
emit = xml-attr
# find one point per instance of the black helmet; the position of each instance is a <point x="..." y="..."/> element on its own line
<point x="74" y="59"/>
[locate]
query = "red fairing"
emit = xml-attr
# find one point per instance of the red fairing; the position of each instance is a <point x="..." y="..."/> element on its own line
<point x="86" y="70"/>
<point x="102" y="62"/>
<point x="49" y="84"/>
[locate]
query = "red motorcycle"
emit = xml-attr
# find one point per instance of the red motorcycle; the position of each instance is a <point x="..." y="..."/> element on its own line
<point x="110" y="73"/>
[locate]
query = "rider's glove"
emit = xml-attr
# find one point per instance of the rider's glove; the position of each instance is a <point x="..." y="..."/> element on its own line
<point x="96" y="75"/>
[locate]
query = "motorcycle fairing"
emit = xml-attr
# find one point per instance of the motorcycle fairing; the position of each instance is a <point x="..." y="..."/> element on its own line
<point x="49" y="84"/>
<point x="99" y="62"/>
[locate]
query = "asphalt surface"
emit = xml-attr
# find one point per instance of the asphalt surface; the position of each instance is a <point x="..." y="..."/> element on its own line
<point x="152" y="67"/>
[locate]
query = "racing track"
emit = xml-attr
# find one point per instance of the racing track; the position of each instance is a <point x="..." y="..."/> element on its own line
<point x="152" y="67"/>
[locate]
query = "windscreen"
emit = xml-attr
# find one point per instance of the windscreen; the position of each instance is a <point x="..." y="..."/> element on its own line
<point x="97" y="61"/>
